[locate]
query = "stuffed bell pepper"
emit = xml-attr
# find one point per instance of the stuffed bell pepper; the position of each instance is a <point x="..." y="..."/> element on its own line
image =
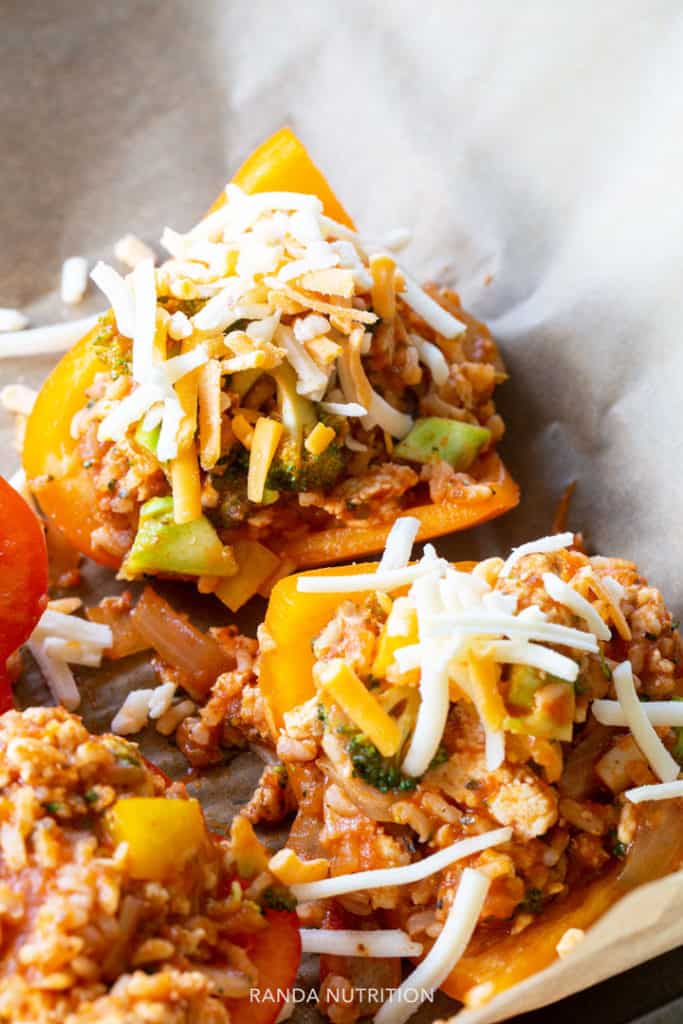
<point x="270" y="397"/>
<point x="118" y="904"/>
<point x="484" y="758"/>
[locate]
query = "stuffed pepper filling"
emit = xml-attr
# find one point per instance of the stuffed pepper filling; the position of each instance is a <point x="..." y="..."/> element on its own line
<point x="513" y="719"/>
<point x="116" y="902"/>
<point x="278" y="376"/>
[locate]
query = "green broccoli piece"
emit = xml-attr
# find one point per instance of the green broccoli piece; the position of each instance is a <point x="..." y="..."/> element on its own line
<point x="295" y="469"/>
<point x="276" y="898"/>
<point x="381" y="772"/>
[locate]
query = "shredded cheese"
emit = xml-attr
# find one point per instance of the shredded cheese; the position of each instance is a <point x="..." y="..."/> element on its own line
<point x="543" y="545"/>
<point x="319" y="439"/>
<point x="119" y="294"/>
<point x="659" y="712"/>
<point x="406" y="874"/>
<point x="12" y="320"/>
<point x="564" y="594"/>
<point x="210" y="414"/>
<point x="339" y="680"/>
<point x="399" y="543"/>
<point x="40" y="341"/>
<point x="433" y="358"/>
<point x="387" y="942"/>
<point x="264" y="443"/>
<point x="663" y="791"/>
<point x="660" y="760"/>
<point x="131" y="250"/>
<point x="391" y="579"/>
<point x="443" y="956"/>
<point x="72" y="651"/>
<point x="58" y="676"/>
<point x="74" y="280"/>
<point x="434" y="315"/>
<point x="18" y="399"/>
<point x="344" y="409"/>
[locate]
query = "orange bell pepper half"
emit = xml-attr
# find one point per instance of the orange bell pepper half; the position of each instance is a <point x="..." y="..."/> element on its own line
<point x="494" y="962"/>
<point x="65" y="490"/>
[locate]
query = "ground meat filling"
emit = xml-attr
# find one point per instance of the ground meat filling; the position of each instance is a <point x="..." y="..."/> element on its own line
<point x="367" y="484"/>
<point x="569" y="819"/>
<point x="81" y="940"/>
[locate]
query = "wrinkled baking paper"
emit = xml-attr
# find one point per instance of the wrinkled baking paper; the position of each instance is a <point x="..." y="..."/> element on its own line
<point x="535" y="151"/>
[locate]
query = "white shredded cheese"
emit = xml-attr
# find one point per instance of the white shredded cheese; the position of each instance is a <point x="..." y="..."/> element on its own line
<point x="495" y="748"/>
<point x="58" y="676"/>
<point x="406" y="874"/>
<point x="12" y="320"/>
<point x="74" y="281"/>
<point x="42" y="341"/>
<point x="18" y="399"/>
<point x="131" y="250"/>
<point x="434" y="315"/>
<point x="516" y="652"/>
<point x="71" y="627"/>
<point x="179" y="326"/>
<point x="345" y="409"/>
<point x="177" y="713"/>
<point x="433" y="358"/>
<point x="660" y="760"/>
<point x="443" y="956"/>
<point x="355" y="446"/>
<point x="569" y="941"/>
<point x="555" y="542"/>
<point x="312" y="326"/>
<point x="72" y="651"/>
<point x="119" y="294"/>
<point x="659" y="712"/>
<point x="388" y="942"/>
<point x="389" y="580"/>
<point x="161" y="700"/>
<point x="144" y="329"/>
<point x="383" y="415"/>
<point x="399" y="543"/>
<point x="133" y="713"/>
<point x="662" y="791"/>
<point x="564" y="594"/>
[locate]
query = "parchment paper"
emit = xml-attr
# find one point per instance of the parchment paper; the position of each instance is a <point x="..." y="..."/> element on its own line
<point x="535" y="151"/>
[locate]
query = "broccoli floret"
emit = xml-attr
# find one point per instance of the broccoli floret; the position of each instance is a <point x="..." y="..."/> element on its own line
<point x="381" y="772"/>
<point x="277" y="898"/>
<point x="295" y="469"/>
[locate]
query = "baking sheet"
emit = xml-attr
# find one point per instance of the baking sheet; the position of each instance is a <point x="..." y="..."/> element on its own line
<point x="533" y="149"/>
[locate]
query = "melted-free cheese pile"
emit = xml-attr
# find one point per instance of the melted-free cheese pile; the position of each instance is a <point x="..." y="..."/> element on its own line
<point x="254" y="258"/>
<point x="466" y="632"/>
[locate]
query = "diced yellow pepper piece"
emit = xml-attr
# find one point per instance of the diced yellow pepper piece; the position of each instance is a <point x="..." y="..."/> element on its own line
<point x="320" y="438"/>
<point x="243" y="430"/>
<point x="255" y="564"/>
<point x="266" y="438"/>
<point x="162" y="835"/>
<point x="289" y="869"/>
<point x="344" y="687"/>
<point x="250" y="854"/>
